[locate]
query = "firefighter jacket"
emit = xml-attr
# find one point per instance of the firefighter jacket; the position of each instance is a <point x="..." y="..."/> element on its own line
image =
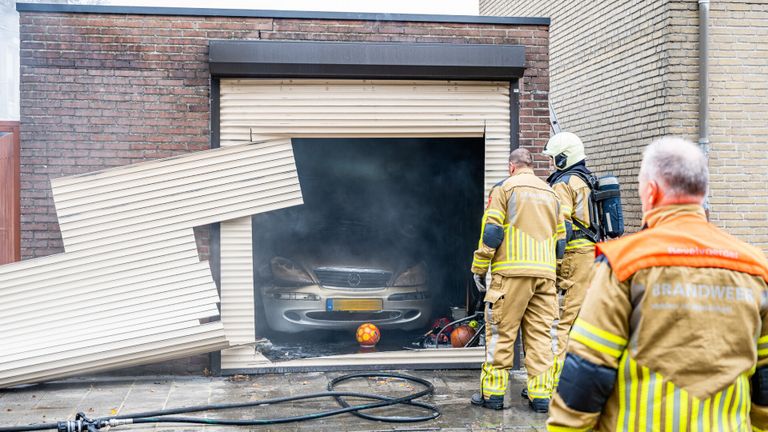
<point x="519" y="228"/>
<point x="673" y="333"/>
<point x="574" y="194"/>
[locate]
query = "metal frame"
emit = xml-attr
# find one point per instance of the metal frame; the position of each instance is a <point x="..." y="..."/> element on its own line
<point x="246" y="13"/>
<point x="216" y="365"/>
<point x="366" y="60"/>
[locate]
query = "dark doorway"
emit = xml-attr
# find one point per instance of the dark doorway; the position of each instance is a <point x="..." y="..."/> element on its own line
<point x="386" y="236"/>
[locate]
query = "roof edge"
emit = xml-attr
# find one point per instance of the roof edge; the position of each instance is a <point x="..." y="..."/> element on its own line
<point x="348" y="16"/>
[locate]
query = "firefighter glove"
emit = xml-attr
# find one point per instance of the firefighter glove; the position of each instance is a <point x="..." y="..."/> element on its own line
<point x="480" y="282"/>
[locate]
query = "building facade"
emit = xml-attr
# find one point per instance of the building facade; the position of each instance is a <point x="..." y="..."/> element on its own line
<point x="624" y="73"/>
<point x="112" y="86"/>
<point x="105" y="87"/>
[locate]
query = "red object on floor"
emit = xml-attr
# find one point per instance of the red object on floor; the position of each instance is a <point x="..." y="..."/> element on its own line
<point x="461" y="335"/>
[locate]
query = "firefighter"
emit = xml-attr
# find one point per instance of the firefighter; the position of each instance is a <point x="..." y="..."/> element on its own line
<point x="570" y="183"/>
<point x="518" y="244"/>
<point x="673" y="333"/>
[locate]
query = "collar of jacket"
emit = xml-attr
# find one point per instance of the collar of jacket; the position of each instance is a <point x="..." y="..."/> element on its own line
<point x="520" y="171"/>
<point x="662" y="215"/>
<point x="580" y="165"/>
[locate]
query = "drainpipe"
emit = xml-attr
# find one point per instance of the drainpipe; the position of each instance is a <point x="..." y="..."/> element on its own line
<point x="704" y="84"/>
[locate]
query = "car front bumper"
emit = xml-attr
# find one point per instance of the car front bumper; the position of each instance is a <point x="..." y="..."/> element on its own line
<point x="293" y="316"/>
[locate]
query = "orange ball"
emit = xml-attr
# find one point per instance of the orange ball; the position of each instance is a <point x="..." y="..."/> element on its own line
<point x="461" y="335"/>
<point x="368" y="335"/>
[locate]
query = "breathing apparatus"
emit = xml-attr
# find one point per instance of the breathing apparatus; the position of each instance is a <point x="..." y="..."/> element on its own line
<point x="607" y="217"/>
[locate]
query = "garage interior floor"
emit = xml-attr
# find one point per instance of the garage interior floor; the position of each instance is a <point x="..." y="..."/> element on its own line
<point x="105" y="395"/>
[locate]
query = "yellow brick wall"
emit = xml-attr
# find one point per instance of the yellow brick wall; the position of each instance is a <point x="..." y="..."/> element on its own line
<point x="739" y="118"/>
<point x="625" y="72"/>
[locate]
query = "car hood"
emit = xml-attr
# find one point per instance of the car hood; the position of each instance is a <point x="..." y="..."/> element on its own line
<point x="386" y="256"/>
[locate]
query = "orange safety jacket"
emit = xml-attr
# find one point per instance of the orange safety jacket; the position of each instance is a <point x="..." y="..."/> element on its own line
<point x="673" y="333"/>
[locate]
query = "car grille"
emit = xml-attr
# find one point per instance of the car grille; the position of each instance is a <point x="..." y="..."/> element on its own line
<point x="354" y="316"/>
<point x="352" y="279"/>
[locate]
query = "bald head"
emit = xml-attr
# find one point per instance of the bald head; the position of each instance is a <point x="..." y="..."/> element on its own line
<point x="521" y="158"/>
<point x="677" y="165"/>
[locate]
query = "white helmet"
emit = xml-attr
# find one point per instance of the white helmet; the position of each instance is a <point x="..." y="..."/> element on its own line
<point x="566" y="149"/>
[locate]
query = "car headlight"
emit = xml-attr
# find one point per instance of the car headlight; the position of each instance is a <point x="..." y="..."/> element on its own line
<point x="285" y="270"/>
<point x="416" y="275"/>
<point x="295" y="296"/>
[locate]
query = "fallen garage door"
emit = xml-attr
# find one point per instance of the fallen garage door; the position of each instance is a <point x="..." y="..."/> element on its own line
<point x="130" y="288"/>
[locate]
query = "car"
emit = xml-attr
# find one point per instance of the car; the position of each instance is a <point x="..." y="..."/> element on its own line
<point x="345" y="274"/>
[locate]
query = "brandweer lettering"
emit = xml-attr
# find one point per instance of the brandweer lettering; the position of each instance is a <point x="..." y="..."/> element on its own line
<point x="548" y="198"/>
<point x="707" y="252"/>
<point x="703" y="291"/>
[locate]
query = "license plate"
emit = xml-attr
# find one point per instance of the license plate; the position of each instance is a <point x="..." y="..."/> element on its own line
<point x="354" y="305"/>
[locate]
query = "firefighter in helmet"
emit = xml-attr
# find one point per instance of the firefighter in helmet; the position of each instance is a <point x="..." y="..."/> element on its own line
<point x="571" y="182"/>
<point x="673" y="333"/>
<point x="518" y="246"/>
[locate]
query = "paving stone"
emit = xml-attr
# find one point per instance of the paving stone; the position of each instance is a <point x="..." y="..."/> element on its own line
<point x="103" y="396"/>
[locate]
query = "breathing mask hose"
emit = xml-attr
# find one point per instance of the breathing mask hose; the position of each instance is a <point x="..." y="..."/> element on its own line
<point x="82" y="423"/>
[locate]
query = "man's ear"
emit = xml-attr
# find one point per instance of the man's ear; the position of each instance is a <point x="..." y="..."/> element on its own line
<point x="654" y="193"/>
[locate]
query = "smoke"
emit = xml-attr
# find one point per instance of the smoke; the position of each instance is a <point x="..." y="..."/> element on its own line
<point x="406" y="200"/>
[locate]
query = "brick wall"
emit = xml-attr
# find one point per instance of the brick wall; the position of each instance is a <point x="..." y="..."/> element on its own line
<point x="626" y="72"/>
<point x="101" y="90"/>
<point x="610" y="64"/>
<point x="739" y="118"/>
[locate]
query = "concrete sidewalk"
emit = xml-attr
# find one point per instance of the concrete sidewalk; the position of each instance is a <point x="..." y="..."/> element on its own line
<point x="103" y="396"/>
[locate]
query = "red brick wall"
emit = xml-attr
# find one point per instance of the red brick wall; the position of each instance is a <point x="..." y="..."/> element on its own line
<point x="101" y="90"/>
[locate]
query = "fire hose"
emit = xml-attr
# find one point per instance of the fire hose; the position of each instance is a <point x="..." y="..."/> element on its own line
<point x="82" y="423"/>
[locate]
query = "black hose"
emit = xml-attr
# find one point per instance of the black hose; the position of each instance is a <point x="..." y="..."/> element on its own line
<point x="81" y="423"/>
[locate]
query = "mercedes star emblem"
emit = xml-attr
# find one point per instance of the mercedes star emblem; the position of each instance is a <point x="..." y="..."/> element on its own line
<point x="353" y="279"/>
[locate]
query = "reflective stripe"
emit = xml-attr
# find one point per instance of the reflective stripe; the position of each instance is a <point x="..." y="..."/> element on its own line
<point x="496" y="215"/>
<point x="762" y="346"/>
<point x="540" y="386"/>
<point x="644" y="403"/>
<point x="621" y="423"/>
<point x="683" y="420"/>
<point x="698" y="421"/>
<point x="658" y="396"/>
<point x="481" y="263"/>
<point x="522" y="265"/>
<point x="705" y="414"/>
<point x="578" y="243"/>
<point x="493" y="328"/>
<point x="632" y="396"/>
<point x="669" y="409"/>
<point x="618" y="340"/>
<point x="725" y="418"/>
<point x="717" y="411"/>
<point x="642" y="398"/>
<point x="597" y="339"/>
<point x="561" y="228"/>
<point x="493" y="381"/>
<point x="740" y="411"/>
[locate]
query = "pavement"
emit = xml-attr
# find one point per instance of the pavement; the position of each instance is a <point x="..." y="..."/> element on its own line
<point x="100" y="396"/>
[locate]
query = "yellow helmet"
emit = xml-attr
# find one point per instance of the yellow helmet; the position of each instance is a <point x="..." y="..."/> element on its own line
<point x="566" y="149"/>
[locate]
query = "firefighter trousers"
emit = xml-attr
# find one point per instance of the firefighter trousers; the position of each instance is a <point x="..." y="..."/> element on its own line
<point x="512" y="302"/>
<point x="572" y="281"/>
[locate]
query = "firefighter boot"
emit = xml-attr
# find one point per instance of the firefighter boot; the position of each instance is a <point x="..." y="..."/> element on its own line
<point x="539" y="405"/>
<point x="493" y="402"/>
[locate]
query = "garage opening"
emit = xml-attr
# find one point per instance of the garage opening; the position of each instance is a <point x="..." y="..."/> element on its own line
<point x="385" y="236"/>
